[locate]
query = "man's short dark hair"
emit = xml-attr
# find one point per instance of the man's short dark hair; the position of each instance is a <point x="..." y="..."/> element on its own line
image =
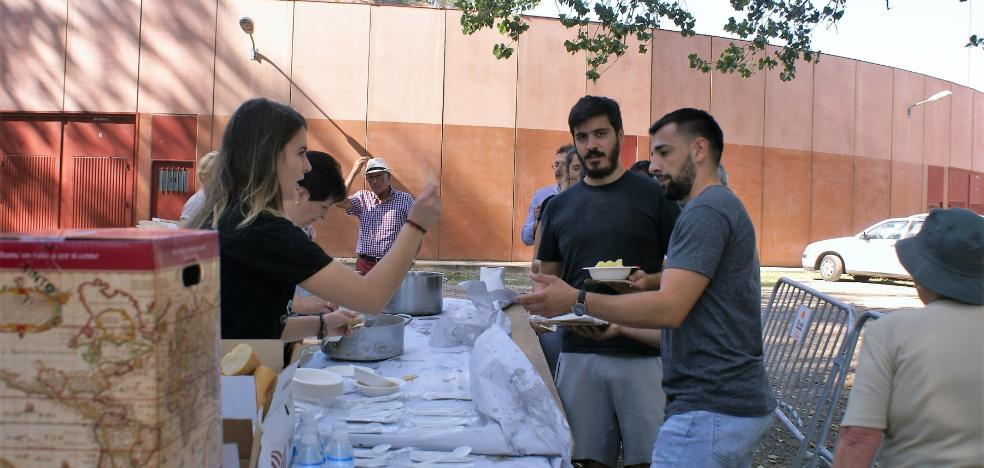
<point x="592" y="106"/>
<point x="693" y="123"/>
<point x="640" y="167"/>
<point x="565" y="149"/>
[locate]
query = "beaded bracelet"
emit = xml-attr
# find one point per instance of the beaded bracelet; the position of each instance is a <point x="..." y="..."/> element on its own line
<point x="414" y="224"/>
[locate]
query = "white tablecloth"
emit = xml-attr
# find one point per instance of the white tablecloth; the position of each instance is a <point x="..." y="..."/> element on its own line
<point x="443" y="370"/>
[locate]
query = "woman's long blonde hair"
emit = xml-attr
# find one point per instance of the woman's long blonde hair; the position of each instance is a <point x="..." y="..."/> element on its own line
<point x="245" y="169"/>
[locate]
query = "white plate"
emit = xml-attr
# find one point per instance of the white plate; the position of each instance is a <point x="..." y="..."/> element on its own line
<point x="346" y="370"/>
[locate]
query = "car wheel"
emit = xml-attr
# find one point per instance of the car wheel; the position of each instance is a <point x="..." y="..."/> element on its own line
<point x="831" y="267"/>
<point x="861" y="279"/>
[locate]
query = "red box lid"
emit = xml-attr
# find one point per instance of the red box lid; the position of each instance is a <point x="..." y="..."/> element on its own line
<point x="106" y="249"/>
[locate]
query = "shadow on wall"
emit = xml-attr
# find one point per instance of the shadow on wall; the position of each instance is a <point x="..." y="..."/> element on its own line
<point x="177" y="56"/>
<point x="30" y="26"/>
<point x="348" y="138"/>
<point x="91" y="63"/>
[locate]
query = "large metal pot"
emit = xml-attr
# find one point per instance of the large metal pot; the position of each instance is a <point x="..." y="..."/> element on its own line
<point x="419" y="294"/>
<point x="381" y="338"/>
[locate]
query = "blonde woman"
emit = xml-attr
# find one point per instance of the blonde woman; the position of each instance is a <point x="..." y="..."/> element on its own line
<point x="202" y="173"/>
<point x="264" y="256"/>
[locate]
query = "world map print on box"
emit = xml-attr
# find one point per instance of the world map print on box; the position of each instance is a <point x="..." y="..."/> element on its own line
<point x="109" y="349"/>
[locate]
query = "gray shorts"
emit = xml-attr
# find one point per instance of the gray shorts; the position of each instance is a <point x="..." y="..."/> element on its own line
<point x="611" y="399"/>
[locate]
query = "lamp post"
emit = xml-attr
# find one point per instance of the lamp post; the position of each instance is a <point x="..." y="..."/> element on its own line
<point x="935" y="97"/>
<point x="246" y="24"/>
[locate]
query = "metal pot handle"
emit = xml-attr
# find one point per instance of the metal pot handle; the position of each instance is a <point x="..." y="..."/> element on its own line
<point x="408" y="317"/>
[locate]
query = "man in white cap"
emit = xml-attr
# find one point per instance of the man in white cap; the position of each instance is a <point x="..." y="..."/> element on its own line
<point x="381" y="212"/>
<point x="920" y="381"/>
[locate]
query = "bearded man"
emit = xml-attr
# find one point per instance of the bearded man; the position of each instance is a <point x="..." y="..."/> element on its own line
<point x="718" y="400"/>
<point x="608" y="378"/>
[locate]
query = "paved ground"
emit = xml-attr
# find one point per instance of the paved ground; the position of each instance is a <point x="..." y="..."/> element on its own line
<point x="876" y="294"/>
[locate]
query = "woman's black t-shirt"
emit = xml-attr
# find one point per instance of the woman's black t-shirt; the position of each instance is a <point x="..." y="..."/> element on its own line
<point x="261" y="265"/>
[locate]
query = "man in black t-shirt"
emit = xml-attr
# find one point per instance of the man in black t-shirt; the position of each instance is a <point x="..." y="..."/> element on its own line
<point x="718" y="400"/>
<point x="608" y="380"/>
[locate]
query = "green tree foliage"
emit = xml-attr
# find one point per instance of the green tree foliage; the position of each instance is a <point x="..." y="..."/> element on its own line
<point x="975" y="40"/>
<point x="604" y="28"/>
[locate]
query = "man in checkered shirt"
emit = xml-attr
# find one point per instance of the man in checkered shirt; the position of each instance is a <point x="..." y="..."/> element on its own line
<point x="381" y="214"/>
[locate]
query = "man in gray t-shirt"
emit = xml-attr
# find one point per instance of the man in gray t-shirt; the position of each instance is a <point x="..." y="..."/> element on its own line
<point x="719" y="403"/>
<point x="713" y="360"/>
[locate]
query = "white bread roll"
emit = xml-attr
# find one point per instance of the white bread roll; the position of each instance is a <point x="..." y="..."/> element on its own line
<point x="266" y="379"/>
<point x="240" y="361"/>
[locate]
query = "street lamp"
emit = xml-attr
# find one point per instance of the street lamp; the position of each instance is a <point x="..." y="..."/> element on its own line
<point x="246" y="24"/>
<point x="935" y="97"/>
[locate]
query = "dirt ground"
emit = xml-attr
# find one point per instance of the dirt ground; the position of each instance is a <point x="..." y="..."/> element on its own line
<point x="778" y="448"/>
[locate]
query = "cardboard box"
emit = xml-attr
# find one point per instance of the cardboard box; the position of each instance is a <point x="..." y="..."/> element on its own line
<point x="240" y="416"/>
<point x="261" y="441"/>
<point x="109" y="343"/>
<point x="277" y="431"/>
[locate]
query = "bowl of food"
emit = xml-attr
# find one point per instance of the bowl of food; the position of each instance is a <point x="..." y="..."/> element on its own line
<point x="379" y="390"/>
<point x="316" y="385"/>
<point x="609" y="270"/>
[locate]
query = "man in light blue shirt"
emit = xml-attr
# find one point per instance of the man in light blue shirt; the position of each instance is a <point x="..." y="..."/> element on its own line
<point x="559" y="167"/>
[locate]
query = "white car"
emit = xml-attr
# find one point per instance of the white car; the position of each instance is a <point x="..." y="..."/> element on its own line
<point x="870" y="253"/>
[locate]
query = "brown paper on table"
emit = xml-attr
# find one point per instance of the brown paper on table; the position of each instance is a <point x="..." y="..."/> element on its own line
<point x="524" y="337"/>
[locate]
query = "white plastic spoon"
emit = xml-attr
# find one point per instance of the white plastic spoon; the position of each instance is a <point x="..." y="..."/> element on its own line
<point x="381" y="449"/>
<point x="369" y="428"/>
<point x="456" y="455"/>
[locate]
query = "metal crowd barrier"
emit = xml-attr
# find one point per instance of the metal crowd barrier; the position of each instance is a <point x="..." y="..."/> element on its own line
<point x="808" y="342"/>
<point x="822" y="438"/>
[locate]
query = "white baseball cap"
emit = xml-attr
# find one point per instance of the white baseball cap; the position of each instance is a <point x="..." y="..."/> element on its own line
<point x="377" y="165"/>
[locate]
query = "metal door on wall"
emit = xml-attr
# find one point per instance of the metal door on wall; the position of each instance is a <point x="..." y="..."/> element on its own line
<point x="29" y="172"/>
<point x="66" y="171"/>
<point x="97" y="171"/>
<point x="959" y="188"/>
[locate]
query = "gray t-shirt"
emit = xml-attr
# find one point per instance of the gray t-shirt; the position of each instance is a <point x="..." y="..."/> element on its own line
<point x="713" y="361"/>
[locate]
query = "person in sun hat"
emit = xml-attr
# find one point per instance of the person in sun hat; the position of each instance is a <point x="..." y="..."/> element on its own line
<point x="920" y="378"/>
<point x="382" y="210"/>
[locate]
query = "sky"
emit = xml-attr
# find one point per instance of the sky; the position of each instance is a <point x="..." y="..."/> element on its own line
<point x="924" y="36"/>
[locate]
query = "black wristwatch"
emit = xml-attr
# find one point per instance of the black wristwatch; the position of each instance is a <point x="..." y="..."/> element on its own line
<point x="321" y="327"/>
<point x="579" y="308"/>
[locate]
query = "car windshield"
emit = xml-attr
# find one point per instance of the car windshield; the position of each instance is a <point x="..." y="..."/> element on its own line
<point x="915" y="228"/>
<point x="887" y="230"/>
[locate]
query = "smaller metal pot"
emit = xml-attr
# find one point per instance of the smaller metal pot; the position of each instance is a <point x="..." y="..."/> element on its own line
<point x="381" y="338"/>
<point x="420" y="293"/>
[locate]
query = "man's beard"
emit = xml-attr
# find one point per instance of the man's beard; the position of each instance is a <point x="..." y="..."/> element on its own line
<point x="679" y="186"/>
<point x="602" y="172"/>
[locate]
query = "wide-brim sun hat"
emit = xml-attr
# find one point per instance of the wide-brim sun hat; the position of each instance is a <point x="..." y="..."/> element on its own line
<point x="376" y="165"/>
<point x="947" y="255"/>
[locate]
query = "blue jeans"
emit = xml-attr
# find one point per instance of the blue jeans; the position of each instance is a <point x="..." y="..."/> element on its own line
<point x="706" y="439"/>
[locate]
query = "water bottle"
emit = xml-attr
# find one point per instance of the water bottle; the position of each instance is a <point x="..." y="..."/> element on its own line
<point x="308" y="448"/>
<point x="309" y="423"/>
<point x="307" y="454"/>
<point x="339" y="451"/>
